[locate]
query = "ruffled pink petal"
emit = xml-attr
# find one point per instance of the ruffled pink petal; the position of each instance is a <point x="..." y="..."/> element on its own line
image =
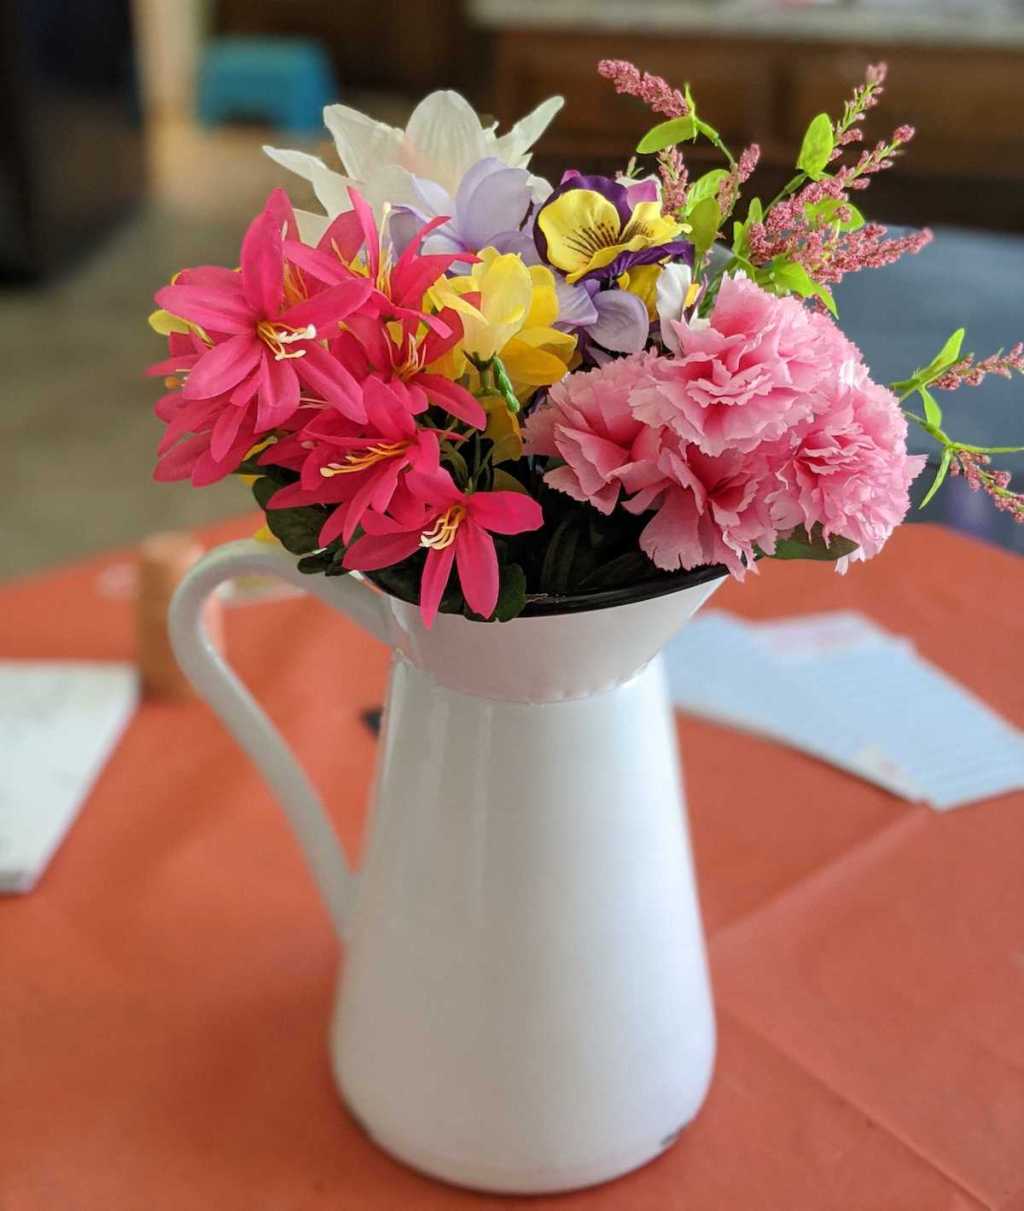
<point x="478" y="567"/>
<point x="223" y="367"/>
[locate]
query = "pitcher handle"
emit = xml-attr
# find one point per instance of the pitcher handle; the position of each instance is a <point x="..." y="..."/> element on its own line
<point x="216" y="682"/>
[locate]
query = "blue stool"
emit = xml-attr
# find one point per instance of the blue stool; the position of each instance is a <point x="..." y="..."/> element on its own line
<point x="283" y="81"/>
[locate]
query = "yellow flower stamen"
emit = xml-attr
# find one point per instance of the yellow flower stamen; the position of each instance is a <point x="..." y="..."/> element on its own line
<point x="359" y="460"/>
<point x="442" y="533"/>
<point x="276" y="336"/>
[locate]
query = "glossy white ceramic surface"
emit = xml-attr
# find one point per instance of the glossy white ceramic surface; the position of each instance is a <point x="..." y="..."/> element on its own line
<point x="525" y="1004"/>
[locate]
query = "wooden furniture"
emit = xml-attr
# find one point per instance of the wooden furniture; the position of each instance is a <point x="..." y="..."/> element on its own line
<point x="965" y="166"/>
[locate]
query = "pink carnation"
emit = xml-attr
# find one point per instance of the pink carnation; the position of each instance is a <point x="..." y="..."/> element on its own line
<point x="747" y="374"/>
<point x="587" y="421"/>
<point x="766" y="423"/>
<point x="709" y="509"/>
<point x="847" y="469"/>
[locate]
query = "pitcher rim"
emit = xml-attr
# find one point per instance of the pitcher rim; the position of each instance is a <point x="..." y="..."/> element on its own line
<point x="546" y="605"/>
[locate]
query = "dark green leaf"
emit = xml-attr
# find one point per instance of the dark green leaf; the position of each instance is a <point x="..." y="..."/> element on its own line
<point x="632" y="567"/>
<point x="801" y="545"/>
<point x="556" y="570"/>
<point x="666" y="134"/>
<point x="818" y="145"/>
<point x="320" y="561"/>
<point x="296" y="529"/>
<point x="511" y="593"/>
<point x="453" y="457"/>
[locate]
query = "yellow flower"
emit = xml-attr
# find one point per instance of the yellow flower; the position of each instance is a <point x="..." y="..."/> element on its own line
<point x="642" y="280"/>
<point x="585" y="232"/>
<point x="507" y="310"/>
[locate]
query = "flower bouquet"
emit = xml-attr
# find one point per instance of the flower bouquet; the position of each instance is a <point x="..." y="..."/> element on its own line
<point x="489" y="395"/>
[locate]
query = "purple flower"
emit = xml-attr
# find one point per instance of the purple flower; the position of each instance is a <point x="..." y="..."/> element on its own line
<point x="593" y="227"/>
<point x="492" y="201"/>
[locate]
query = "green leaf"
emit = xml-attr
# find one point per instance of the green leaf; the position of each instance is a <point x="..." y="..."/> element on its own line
<point x="511" y="593"/>
<point x="556" y="570"/>
<point x="632" y="567"/>
<point x="801" y="545"/>
<point x="704" y="220"/>
<point x="705" y="187"/>
<point x="504" y="481"/>
<point x="818" y="145"/>
<point x="947" y="355"/>
<point x="453" y="457"/>
<point x="666" y="134"/>
<point x="318" y="562"/>
<point x="755" y="211"/>
<point x="940" y="475"/>
<point x="296" y="529"/>
<point x="932" y="411"/>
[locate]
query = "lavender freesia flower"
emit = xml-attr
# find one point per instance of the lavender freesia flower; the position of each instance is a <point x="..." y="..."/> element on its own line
<point x="492" y="201"/>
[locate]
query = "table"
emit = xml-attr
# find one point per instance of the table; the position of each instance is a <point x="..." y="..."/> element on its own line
<point x="164" y="993"/>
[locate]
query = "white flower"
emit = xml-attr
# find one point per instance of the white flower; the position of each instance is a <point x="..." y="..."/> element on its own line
<point x="674" y="293"/>
<point x="444" y="138"/>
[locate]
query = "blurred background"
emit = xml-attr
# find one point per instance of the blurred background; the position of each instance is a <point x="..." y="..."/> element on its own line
<point x="132" y="148"/>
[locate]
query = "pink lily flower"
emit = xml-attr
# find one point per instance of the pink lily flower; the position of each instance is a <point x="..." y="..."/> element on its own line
<point x="455" y="527"/>
<point x="369" y="348"/>
<point x="399" y="286"/>
<point x="356" y="467"/>
<point x="266" y="327"/>
<point x="185" y="451"/>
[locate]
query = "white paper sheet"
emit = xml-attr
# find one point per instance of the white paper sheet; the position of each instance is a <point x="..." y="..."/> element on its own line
<point x="843" y="689"/>
<point x="59" y="722"/>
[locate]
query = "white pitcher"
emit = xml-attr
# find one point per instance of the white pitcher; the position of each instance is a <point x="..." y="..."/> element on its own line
<point x="525" y="1005"/>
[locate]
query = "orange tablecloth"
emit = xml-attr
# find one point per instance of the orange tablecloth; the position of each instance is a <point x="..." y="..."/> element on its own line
<point x="164" y="993"/>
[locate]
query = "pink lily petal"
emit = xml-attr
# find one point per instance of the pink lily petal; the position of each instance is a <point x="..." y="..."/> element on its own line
<point x="436" y="572"/>
<point x="344" y="237"/>
<point x="279" y="207"/>
<point x="214" y="310"/>
<point x="209" y="471"/>
<point x="225" y="430"/>
<point x="318" y="264"/>
<point x="325" y="309"/>
<point x="478" y="567"/>
<point x="372" y="551"/>
<point x="371" y="238"/>
<point x="263" y="265"/>
<point x="434" y="487"/>
<point x="329" y="380"/>
<point x="386" y="410"/>
<point x="412" y="281"/>
<point x="245" y="392"/>
<point x="279" y="394"/>
<point x="215" y="276"/>
<point x="505" y="512"/>
<point x="172" y="365"/>
<point x="177" y="463"/>
<point x="435" y="344"/>
<point x="453" y="398"/>
<point x="223" y="367"/>
<point x="373" y="338"/>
